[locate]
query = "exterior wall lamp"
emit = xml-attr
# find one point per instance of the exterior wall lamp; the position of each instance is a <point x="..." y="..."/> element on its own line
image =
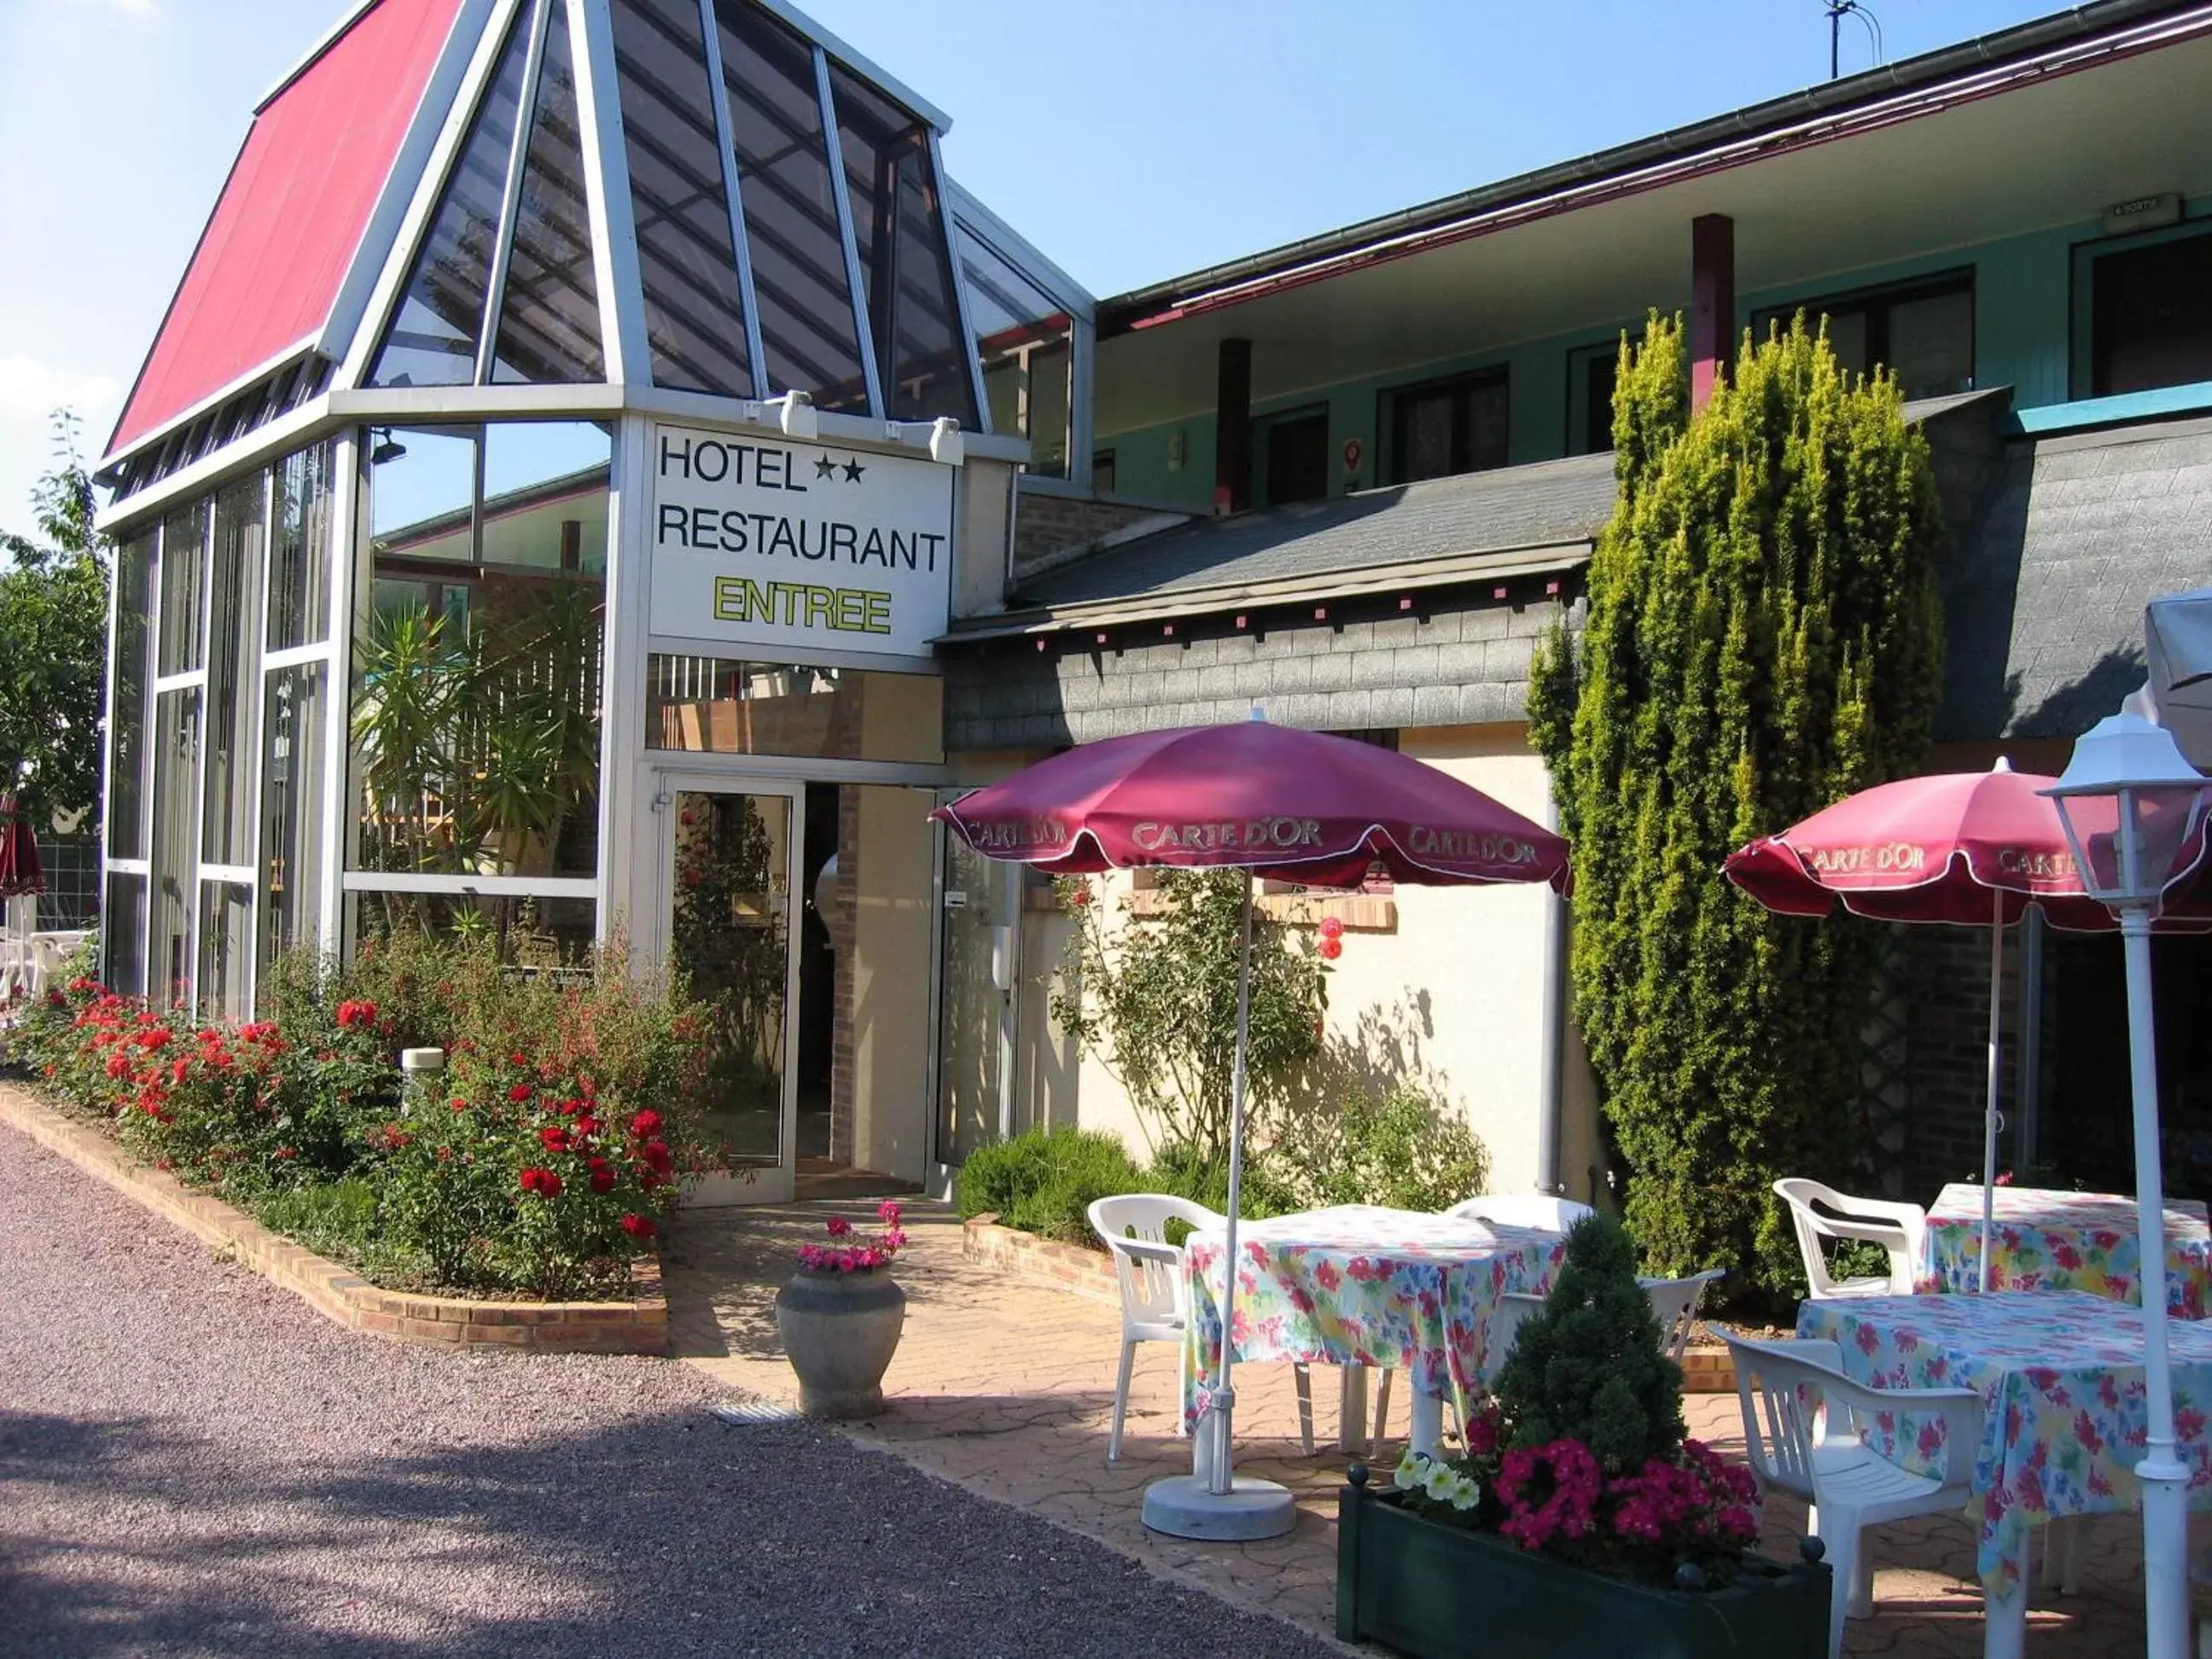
<point x="947" y="445"/>
<point x="2133" y="808"/>
<point x="795" y="414"/>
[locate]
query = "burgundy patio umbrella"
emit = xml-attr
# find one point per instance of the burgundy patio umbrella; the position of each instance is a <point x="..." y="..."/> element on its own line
<point x="19" y="873"/>
<point x="1273" y="801"/>
<point x="1975" y="848"/>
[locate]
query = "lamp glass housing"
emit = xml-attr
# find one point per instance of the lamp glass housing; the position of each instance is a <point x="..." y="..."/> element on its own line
<point x="2132" y="809"/>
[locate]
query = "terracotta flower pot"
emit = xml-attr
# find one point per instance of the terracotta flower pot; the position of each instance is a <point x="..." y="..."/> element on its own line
<point x="840" y="1331"/>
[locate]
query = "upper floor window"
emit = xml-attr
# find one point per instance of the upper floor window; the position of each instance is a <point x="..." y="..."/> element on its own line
<point x="2150" y="316"/>
<point x="1443" y="426"/>
<point x="1295" y="446"/>
<point x="1922" y="332"/>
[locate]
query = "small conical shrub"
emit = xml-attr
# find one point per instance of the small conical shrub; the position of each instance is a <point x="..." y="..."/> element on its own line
<point x="1589" y="1367"/>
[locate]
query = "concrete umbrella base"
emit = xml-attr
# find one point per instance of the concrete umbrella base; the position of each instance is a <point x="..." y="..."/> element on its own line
<point x="1181" y="1507"/>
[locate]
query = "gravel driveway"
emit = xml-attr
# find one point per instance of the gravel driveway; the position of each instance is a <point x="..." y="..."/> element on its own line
<point x="192" y="1462"/>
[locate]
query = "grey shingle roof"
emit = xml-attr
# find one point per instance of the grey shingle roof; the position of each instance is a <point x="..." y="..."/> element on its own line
<point x="1543" y="504"/>
<point x="1548" y="504"/>
<point x="2046" y="603"/>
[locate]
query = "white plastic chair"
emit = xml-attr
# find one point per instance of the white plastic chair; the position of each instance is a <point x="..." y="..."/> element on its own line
<point x="1784" y="1388"/>
<point x="1155" y="1306"/>
<point x="1552" y="1215"/>
<point x="1675" y="1301"/>
<point x="1900" y="1228"/>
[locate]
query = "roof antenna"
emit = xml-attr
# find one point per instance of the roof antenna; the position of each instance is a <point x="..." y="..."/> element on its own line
<point x="1836" y="8"/>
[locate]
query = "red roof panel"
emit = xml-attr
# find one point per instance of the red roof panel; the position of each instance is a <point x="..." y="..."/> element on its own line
<point x="285" y="229"/>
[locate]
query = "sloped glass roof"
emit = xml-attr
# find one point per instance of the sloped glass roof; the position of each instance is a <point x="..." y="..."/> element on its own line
<point x="788" y="217"/>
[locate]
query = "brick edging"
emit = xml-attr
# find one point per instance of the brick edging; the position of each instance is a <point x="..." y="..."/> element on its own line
<point x="1706" y="1369"/>
<point x="1087" y="1273"/>
<point x="637" y="1326"/>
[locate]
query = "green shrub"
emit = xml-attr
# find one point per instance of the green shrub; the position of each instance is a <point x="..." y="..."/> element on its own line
<point x="1589" y="1367"/>
<point x="1182" y="1169"/>
<point x="1404" y="1149"/>
<point x="1044" y="1182"/>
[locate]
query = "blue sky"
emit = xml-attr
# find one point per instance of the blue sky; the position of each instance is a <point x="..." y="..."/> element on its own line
<point x="1130" y="141"/>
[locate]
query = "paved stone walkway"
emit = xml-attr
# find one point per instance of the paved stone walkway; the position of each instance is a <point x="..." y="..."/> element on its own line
<point x="1006" y="1386"/>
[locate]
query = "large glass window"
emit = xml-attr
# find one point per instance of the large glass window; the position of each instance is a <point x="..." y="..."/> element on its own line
<point x="184" y="553"/>
<point x="898" y="227"/>
<point x="477" y="677"/>
<point x="693" y="310"/>
<point x="233" y="671"/>
<point x="800" y="284"/>
<point x="549" y="326"/>
<point x="433" y="339"/>
<point x="713" y="705"/>
<point x="123" y="932"/>
<point x="176" y="774"/>
<point x="299" y="550"/>
<point x="293" y="744"/>
<point x="126" y="768"/>
<point x="544" y="934"/>
<point x="1444" y="427"/>
<point x="2151" y="317"/>
<point x="225" y="950"/>
<point x="1023" y="335"/>
<point x="1923" y="333"/>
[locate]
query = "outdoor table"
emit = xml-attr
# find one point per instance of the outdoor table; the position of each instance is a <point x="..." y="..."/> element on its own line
<point x="1361" y="1285"/>
<point x="2057" y="1241"/>
<point x="2060" y="1373"/>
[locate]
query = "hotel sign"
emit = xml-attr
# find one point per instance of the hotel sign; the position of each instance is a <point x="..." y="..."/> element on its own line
<point x="789" y="549"/>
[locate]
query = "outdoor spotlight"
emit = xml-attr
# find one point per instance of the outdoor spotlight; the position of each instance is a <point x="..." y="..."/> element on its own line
<point x="795" y="413"/>
<point x="947" y="445"/>
<point x="388" y="448"/>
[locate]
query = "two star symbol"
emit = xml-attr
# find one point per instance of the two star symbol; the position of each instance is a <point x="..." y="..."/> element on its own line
<point x="826" y="468"/>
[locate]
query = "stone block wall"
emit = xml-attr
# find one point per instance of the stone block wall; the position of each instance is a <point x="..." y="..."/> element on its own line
<point x="1052" y="528"/>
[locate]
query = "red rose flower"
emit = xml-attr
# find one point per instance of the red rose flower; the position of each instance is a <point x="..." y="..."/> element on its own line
<point x="638" y="1226"/>
<point x="1330" y="949"/>
<point x="544" y="1182"/>
<point x="518" y="1093"/>
<point x="645" y="1124"/>
<point x="556" y="1139"/>
<point x="602" y="1181"/>
<point x="458" y="1103"/>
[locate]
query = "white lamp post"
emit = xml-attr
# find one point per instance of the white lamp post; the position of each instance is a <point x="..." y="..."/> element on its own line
<point x="2131" y="804"/>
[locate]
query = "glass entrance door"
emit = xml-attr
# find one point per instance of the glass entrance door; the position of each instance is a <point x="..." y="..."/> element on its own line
<point x="734" y="859"/>
<point x="974" y="1008"/>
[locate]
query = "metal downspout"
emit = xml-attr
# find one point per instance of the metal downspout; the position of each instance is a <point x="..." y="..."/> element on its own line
<point x="1552" y="1028"/>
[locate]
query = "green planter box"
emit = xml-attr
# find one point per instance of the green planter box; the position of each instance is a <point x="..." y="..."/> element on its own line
<point x="1440" y="1592"/>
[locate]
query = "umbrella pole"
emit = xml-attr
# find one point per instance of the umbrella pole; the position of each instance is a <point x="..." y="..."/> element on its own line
<point x="1997" y="1079"/>
<point x="1211" y="1502"/>
<point x="1224" y="1397"/>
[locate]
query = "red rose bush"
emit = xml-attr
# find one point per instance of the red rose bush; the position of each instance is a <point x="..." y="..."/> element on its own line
<point x="542" y="1160"/>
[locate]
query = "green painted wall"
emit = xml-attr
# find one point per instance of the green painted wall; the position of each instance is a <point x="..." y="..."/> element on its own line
<point x="2022" y="288"/>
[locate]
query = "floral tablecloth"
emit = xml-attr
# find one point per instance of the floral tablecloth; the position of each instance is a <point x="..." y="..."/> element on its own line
<point x="1361" y="1286"/>
<point x="2060" y="1373"/>
<point x="2054" y="1241"/>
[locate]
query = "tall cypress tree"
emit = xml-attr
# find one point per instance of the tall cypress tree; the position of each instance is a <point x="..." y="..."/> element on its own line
<point x="1763" y="637"/>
